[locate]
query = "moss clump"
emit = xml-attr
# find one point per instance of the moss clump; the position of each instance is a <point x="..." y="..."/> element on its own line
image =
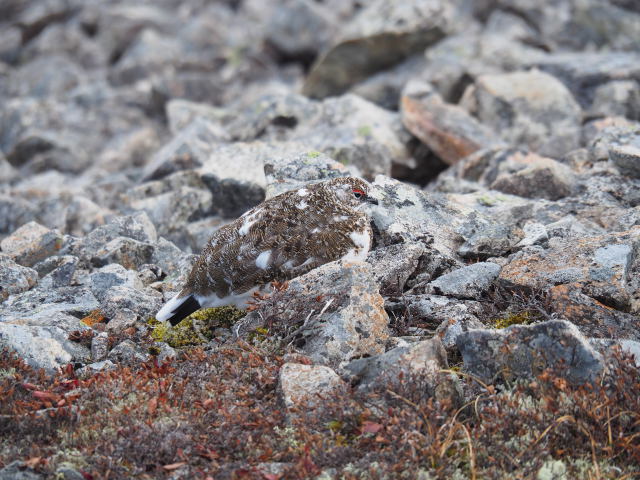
<point x="313" y="154"/>
<point x="520" y="318"/>
<point x="197" y="328"/>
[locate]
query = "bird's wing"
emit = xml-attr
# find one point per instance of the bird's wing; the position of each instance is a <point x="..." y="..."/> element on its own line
<point x="278" y="240"/>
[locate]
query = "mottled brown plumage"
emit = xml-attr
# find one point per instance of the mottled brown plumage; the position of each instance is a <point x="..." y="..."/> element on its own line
<point x="283" y="237"/>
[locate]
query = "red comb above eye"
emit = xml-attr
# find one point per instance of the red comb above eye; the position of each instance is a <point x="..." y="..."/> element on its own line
<point x="357" y="190"/>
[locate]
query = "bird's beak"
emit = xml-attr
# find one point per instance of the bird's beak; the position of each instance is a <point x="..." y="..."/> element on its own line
<point x="371" y="200"/>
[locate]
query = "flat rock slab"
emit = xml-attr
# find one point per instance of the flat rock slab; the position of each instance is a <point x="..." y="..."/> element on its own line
<point x="380" y="36"/>
<point x="31" y="243"/>
<point x="525" y="351"/>
<point x="42" y="347"/>
<point x="14" y="278"/>
<point x="600" y="265"/>
<point x="469" y="282"/>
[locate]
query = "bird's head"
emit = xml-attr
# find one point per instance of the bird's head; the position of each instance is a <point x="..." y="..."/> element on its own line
<point x="352" y="191"/>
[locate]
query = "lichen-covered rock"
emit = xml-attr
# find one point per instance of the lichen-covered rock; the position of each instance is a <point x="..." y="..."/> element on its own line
<point x="530" y="109"/>
<point x="128" y="353"/>
<point x="14" y="278"/>
<point x="42" y="347"/>
<point x="526" y="351"/>
<point x="393" y="265"/>
<point x="306" y="387"/>
<point x="448" y="130"/>
<point x="144" y="303"/>
<point x="125" y="251"/>
<point x="339" y="309"/>
<point x="381" y="35"/>
<point x="599" y="265"/>
<point x="590" y="316"/>
<point x="18" y="470"/>
<point x="419" y="362"/>
<point x="471" y="281"/>
<point x="57" y="270"/>
<point x="31" y="243"/>
<point x="284" y="173"/>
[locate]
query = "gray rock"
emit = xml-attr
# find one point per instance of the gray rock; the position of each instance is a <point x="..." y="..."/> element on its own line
<point x="450" y="329"/>
<point x="190" y="121"/>
<point x="128" y="353"/>
<point x="485" y="238"/>
<point x="299" y="29"/>
<point x="305" y="387"/>
<point x="14" y="278"/>
<point x="111" y="275"/>
<point x="166" y="353"/>
<point x="602" y="265"/>
<point x="190" y="148"/>
<point x="18" y="471"/>
<point x="15" y="212"/>
<point x="61" y="307"/>
<point x="448" y="130"/>
<point x="408" y="214"/>
<point x="122" y="320"/>
<point x="524" y="351"/>
<point x="393" y="265"/>
<point x="68" y="473"/>
<point x="31" y="243"/>
<point x="534" y="234"/>
<point x="57" y="270"/>
<point x="619" y="97"/>
<point x="198" y="233"/>
<point x="99" y="347"/>
<point x="518" y="172"/>
<point x="145" y="303"/>
<point x="471" y="281"/>
<point x="46" y="76"/>
<point x="88" y="370"/>
<point x="128" y="252"/>
<point x="530" y="109"/>
<point x="420" y="362"/>
<point x="341" y="311"/>
<point x="42" y="347"/>
<point x="607" y="347"/>
<point x="174" y="261"/>
<point x="137" y="227"/>
<point x="627" y="157"/>
<point x="284" y="173"/>
<point x="381" y="35"/>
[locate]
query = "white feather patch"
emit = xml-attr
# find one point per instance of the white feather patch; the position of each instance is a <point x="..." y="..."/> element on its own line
<point x="249" y="221"/>
<point x="302" y="205"/>
<point x="303" y="192"/>
<point x="212" y="301"/>
<point x="263" y="259"/>
<point x="168" y="308"/>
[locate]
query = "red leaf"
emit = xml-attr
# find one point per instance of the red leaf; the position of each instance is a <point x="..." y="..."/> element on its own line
<point x="86" y="475"/>
<point x="370" y="427"/>
<point x="271" y="476"/>
<point x="29" y="386"/>
<point x="43" y="395"/>
<point x="174" y="466"/>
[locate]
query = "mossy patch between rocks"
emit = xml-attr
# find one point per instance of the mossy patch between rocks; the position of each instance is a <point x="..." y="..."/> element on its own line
<point x="197" y="328"/>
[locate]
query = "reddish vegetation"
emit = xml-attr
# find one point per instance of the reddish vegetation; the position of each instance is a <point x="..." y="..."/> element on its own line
<point x="218" y="415"/>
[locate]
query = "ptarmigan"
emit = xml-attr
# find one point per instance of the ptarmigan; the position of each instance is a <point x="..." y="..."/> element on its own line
<point x="283" y="237"/>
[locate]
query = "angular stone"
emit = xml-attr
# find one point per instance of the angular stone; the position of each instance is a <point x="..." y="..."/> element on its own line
<point x="616" y="98"/>
<point x="14" y="278"/>
<point x="127" y="252"/>
<point x="128" y="353"/>
<point x="600" y="265"/>
<point x="419" y="362"/>
<point x="485" y="238"/>
<point x="524" y="351"/>
<point x="31" y="243"/>
<point x="591" y="317"/>
<point x="88" y="370"/>
<point x="381" y="35"/>
<point x="626" y="157"/>
<point x="471" y="281"/>
<point x="342" y="312"/>
<point x="448" y="130"/>
<point x="307" y="387"/>
<point x="42" y="347"/>
<point x="531" y="109"/>
<point x="534" y="234"/>
<point x="284" y="173"/>
<point x="15" y="212"/>
<point x="182" y="115"/>
<point x="99" y="347"/>
<point x="18" y="470"/>
<point x="111" y="275"/>
<point x="393" y="265"/>
<point x="144" y="303"/>
<point x="123" y="319"/>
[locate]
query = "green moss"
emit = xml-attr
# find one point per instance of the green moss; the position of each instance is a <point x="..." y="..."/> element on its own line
<point x="260" y="334"/>
<point x="197" y="328"/>
<point x="313" y="154"/>
<point x="520" y="318"/>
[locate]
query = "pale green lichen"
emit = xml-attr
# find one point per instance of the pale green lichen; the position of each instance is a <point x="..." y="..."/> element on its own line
<point x="364" y="131"/>
<point x="197" y="328"/>
<point x="313" y="154"/>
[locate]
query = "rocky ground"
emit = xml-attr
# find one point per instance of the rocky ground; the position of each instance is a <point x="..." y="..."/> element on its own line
<point x="491" y="332"/>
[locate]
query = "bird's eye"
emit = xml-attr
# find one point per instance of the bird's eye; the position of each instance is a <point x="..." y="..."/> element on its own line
<point x="358" y="193"/>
